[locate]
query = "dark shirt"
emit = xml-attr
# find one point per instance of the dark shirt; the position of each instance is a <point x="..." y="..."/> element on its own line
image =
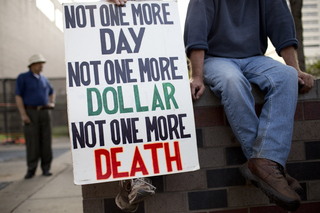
<point x="33" y="91"/>
<point x="238" y="28"/>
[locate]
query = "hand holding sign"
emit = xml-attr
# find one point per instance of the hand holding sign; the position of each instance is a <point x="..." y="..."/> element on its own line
<point x="118" y="2"/>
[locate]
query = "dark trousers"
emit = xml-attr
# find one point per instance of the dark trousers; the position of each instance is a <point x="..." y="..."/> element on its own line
<point x="38" y="139"/>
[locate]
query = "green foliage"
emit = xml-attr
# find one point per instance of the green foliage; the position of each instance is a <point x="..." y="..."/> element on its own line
<point x="60" y="131"/>
<point x="2" y="137"/>
<point x="313" y="67"/>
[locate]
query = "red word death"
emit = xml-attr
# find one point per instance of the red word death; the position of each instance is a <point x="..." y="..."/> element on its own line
<point x="138" y="165"/>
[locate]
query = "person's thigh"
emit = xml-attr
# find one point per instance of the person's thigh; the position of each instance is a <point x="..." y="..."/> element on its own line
<point x="270" y="74"/>
<point x="224" y="74"/>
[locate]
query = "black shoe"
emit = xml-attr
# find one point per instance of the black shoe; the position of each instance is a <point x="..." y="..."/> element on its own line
<point x="46" y="173"/>
<point x="29" y="175"/>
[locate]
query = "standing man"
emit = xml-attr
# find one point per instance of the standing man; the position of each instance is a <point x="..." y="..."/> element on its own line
<point x="34" y="97"/>
<point x="226" y="42"/>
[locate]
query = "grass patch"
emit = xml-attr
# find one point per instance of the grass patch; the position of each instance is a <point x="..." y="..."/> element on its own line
<point x="60" y="131"/>
<point x="57" y="131"/>
<point x="2" y="137"/>
<point x="17" y="138"/>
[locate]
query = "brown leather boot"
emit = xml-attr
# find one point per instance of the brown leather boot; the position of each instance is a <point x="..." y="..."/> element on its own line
<point x="269" y="177"/>
<point x="294" y="184"/>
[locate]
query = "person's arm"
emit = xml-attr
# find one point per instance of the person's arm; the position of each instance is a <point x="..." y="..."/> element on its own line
<point x="289" y="55"/>
<point x="19" y="101"/>
<point x="52" y="99"/>
<point x="196" y="81"/>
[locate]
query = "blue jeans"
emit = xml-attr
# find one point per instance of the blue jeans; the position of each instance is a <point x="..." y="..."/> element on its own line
<point x="269" y="135"/>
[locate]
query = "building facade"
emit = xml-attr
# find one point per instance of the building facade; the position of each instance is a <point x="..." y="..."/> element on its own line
<point x="27" y="28"/>
<point x="311" y="28"/>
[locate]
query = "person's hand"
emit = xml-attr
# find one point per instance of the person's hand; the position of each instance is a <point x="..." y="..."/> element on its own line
<point x="306" y="81"/>
<point x="25" y="119"/>
<point x="197" y="88"/>
<point x="118" y="2"/>
<point x="51" y="105"/>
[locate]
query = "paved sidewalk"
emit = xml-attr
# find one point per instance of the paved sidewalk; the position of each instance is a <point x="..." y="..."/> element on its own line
<point x="39" y="194"/>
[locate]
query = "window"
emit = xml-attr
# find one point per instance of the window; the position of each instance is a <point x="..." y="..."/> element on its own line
<point x="311" y="38"/>
<point x="312" y="45"/>
<point x="310" y="14"/>
<point x="311" y="22"/>
<point x="311" y="30"/>
<point x="310" y="6"/>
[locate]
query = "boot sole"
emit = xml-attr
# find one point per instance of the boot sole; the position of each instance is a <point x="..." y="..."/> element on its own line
<point x="279" y="199"/>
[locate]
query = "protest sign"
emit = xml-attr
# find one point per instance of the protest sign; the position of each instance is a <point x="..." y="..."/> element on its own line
<point x="129" y="104"/>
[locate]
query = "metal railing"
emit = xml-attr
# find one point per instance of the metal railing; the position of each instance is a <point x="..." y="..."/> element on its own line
<point x="10" y="120"/>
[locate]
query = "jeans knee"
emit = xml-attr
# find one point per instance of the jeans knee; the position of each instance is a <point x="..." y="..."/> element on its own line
<point x="287" y="81"/>
<point x="232" y="87"/>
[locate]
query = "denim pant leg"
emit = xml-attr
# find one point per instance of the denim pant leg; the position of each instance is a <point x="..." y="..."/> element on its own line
<point x="226" y="80"/>
<point x="270" y="135"/>
<point x="280" y="84"/>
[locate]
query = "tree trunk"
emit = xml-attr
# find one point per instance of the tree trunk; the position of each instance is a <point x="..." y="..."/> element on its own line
<point x="296" y="7"/>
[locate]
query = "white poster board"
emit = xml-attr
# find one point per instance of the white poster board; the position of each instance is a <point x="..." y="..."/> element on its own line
<point x="129" y="104"/>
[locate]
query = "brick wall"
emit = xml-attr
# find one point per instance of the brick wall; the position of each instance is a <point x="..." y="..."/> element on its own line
<point x="218" y="186"/>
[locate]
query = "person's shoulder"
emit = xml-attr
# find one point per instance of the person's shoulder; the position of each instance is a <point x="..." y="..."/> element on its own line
<point x="24" y="74"/>
<point x="44" y="78"/>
